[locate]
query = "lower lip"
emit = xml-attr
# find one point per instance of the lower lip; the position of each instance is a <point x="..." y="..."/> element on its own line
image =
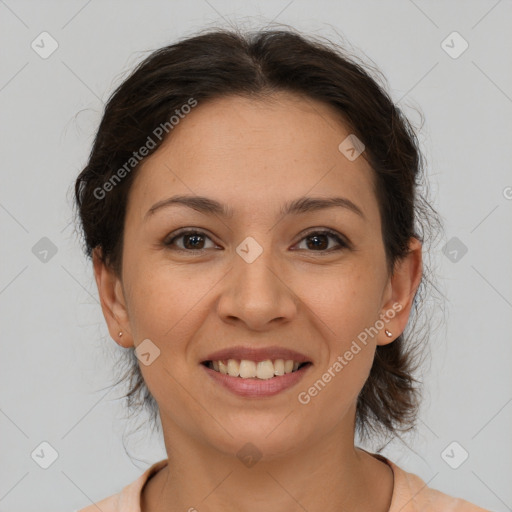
<point x="257" y="388"/>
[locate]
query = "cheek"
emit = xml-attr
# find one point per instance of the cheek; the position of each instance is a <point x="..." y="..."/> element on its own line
<point x="167" y="304"/>
<point x="165" y="299"/>
<point x="347" y="301"/>
<point x="347" y="306"/>
<point x="336" y="384"/>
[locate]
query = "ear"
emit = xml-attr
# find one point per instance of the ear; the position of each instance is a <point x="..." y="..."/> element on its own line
<point x="112" y="300"/>
<point x="399" y="294"/>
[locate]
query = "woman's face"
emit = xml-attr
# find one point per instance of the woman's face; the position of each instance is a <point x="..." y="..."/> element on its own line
<point x="257" y="278"/>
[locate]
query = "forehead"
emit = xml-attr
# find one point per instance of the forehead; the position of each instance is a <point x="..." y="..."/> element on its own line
<point x="256" y="151"/>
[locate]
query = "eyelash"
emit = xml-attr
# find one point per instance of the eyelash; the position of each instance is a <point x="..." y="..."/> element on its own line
<point x="333" y="234"/>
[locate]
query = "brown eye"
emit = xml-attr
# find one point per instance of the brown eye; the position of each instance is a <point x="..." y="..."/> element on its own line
<point x="318" y="241"/>
<point x="191" y="240"/>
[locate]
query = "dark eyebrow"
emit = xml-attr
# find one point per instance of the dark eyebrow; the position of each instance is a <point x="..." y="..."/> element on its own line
<point x="310" y="204"/>
<point x="295" y="207"/>
<point x="199" y="203"/>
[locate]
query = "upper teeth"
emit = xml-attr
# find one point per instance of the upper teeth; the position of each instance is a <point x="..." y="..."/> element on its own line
<point x="250" y="369"/>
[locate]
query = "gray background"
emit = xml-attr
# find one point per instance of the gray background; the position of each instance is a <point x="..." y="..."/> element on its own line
<point x="56" y="364"/>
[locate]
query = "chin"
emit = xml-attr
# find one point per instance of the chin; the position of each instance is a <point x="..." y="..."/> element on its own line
<point x="266" y="438"/>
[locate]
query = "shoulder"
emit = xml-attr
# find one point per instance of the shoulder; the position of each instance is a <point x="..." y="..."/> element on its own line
<point x="411" y="494"/>
<point x="129" y="497"/>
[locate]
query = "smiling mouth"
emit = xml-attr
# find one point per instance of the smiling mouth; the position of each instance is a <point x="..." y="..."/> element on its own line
<point x="263" y="370"/>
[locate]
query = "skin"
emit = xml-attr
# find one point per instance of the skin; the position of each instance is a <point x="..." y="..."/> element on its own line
<point x="254" y="156"/>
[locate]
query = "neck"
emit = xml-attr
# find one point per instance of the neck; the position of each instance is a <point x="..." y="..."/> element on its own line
<point x="329" y="475"/>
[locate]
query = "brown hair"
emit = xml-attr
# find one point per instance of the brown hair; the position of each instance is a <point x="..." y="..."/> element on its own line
<point x="223" y="62"/>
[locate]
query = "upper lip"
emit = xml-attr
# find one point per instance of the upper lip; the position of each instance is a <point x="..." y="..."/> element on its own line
<point x="256" y="354"/>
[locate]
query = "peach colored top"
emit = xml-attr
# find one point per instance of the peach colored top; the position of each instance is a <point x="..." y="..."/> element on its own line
<point x="410" y="494"/>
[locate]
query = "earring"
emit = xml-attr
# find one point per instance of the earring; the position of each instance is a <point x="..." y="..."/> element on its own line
<point x="120" y="333"/>
<point x="388" y="334"/>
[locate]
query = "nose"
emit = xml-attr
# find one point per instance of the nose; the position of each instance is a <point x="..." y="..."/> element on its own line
<point x="257" y="294"/>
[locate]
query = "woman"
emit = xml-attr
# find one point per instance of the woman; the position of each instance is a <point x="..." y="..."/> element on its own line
<point x="249" y="206"/>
